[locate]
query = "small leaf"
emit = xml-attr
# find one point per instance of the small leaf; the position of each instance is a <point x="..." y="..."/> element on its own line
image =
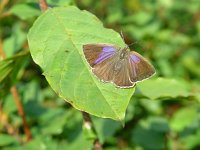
<point x="191" y="141"/>
<point x="163" y="88"/>
<point x="181" y="114"/>
<point x="6" y="139"/>
<point x="60" y="2"/>
<point x="15" y="41"/>
<point x="25" y="11"/>
<point x="54" y="123"/>
<point x="56" y="41"/>
<point x="105" y="128"/>
<point x="10" y="70"/>
<point x="5" y="69"/>
<point x="41" y="143"/>
<point x="80" y="143"/>
<point x="148" y="138"/>
<point x="11" y="66"/>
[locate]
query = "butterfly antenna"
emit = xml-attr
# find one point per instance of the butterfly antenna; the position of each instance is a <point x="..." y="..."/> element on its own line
<point x="122" y="35"/>
<point x="133" y="43"/>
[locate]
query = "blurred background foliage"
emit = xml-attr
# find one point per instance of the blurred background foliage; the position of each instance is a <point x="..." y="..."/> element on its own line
<point x="164" y="112"/>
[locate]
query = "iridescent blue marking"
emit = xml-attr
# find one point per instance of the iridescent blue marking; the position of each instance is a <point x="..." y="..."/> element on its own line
<point x="106" y="53"/>
<point x="135" y="58"/>
<point x="109" y="49"/>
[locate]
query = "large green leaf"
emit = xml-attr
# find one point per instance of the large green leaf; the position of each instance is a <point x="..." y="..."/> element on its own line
<point x="56" y="41"/>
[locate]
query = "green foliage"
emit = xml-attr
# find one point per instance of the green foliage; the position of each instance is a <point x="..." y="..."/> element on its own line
<point x="6" y="139"/>
<point x="25" y="11"/>
<point x="160" y="113"/>
<point x="10" y="70"/>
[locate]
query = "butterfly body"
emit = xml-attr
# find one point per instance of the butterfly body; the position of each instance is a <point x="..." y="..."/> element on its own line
<point x="123" y="53"/>
<point x="117" y="65"/>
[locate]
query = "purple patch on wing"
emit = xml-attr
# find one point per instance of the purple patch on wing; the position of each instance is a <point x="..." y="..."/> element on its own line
<point x="106" y="53"/>
<point x="135" y="58"/>
<point x="109" y="49"/>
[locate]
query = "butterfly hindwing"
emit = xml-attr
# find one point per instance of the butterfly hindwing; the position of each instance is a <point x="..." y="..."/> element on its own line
<point x="122" y="75"/>
<point x="139" y="67"/>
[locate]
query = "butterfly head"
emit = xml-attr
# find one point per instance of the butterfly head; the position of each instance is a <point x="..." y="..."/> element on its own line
<point x="124" y="52"/>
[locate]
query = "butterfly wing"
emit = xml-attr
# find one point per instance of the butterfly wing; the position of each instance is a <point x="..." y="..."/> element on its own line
<point x="104" y="70"/>
<point x="100" y="57"/>
<point x="97" y="53"/>
<point x="122" y="75"/>
<point x="114" y="70"/>
<point x="139" y="67"/>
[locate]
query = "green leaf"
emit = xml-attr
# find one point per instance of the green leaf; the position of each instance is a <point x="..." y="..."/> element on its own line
<point x="163" y="88"/>
<point x="191" y="141"/>
<point x="25" y="11"/>
<point x="179" y="121"/>
<point x="13" y="147"/>
<point x="159" y="124"/>
<point x="41" y="143"/>
<point x="56" y="41"/>
<point x="55" y="122"/>
<point x="15" y="41"/>
<point x="80" y="143"/>
<point x="89" y="133"/>
<point x="6" y="139"/>
<point x="147" y="138"/>
<point x="11" y="66"/>
<point x="150" y="133"/>
<point x="60" y="2"/>
<point x="197" y="95"/>
<point x="9" y="105"/>
<point x="151" y="106"/>
<point x="146" y="17"/>
<point x="130" y="112"/>
<point x="10" y="70"/>
<point x="5" y="69"/>
<point x="105" y="128"/>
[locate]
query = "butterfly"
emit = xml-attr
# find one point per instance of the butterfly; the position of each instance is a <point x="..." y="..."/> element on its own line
<point x="117" y="65"/>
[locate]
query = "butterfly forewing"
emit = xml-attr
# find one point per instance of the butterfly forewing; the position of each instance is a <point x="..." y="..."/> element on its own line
<point x="101" y="59"/>
<point x="104" y="70"/>
<point x="97" y="53"/>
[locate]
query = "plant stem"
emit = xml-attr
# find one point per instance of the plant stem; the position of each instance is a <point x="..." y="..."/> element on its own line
<point x="21" y="112"/>
<point x="89" y="125"/>
<point x="3" y="4"/>
<point x="43" y="5"/>
<point x="97" y="145"/>
<point x="2" y="54"/>
<point x="18" y="102"/>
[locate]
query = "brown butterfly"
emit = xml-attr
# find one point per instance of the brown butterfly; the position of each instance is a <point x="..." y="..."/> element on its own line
<point x="117" y="65"/>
